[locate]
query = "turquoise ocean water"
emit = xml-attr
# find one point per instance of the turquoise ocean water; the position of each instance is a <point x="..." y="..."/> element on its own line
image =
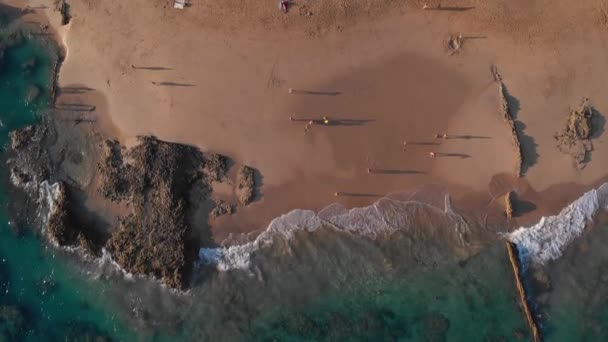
<point x="320" y="286"/>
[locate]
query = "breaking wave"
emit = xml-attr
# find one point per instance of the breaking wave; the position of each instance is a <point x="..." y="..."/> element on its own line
<point x="546" y="240"/>
<point x="381" y="219"/>
<point x="48" y="197"/>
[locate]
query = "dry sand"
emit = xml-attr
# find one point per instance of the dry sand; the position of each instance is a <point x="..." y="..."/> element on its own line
<point x="216" y="75"/>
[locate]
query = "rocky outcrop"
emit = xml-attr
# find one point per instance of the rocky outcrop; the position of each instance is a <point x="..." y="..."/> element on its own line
<point x="575" y="138"/>
<point x="152" y="240"/>
<point x="64" y="229"/>
<point x="507" y="115"/>
<point x="216" y="166"/>
<point x="508" y="202"/>
<point x="155" y="181"/>
<point x="21" y="137"/>
<point x="114" y="185"/>
<point x="245" y="185"/>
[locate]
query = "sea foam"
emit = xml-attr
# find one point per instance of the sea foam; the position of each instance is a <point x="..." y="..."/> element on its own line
<point x="382" y="218"/>
<point x="546" y="240"/>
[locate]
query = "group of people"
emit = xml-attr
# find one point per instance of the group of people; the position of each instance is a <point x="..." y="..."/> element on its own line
<point x="324" y="121"/>
<point x="432" y="154"/>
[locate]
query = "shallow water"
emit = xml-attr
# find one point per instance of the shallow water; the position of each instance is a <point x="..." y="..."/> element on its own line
<point x="397" y="270"/>
<point x="42" y="296"/>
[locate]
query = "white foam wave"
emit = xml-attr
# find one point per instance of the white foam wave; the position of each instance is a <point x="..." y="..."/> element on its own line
<point x="547" y="239"/>
<point x="48" y="198"/>
<point x="106" y="259"/>
<point x="380" y="219"/>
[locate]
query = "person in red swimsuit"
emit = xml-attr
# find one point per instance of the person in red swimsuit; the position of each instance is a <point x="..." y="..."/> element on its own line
<point x="284" y="6"/>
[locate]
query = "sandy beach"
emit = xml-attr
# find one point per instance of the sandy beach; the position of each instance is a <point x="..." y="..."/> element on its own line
<point x="217" y="76"/>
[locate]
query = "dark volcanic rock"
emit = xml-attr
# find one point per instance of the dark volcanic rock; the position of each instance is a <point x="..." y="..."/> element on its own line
<point x="221" y="208"/>
<point x="216" y="166"/>
<point x="21" y="137"/>
<point x="114" y="185"/>
<point x="63" y="228"/>
<point x="30" y="165"/>
<point x="152" y="239"/>
<point x="245" y="182"/>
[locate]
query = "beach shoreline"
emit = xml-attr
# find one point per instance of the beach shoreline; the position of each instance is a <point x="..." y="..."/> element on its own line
<point x="388" y="85"/>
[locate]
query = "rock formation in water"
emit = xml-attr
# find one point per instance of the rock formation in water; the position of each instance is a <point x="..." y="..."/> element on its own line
<point x="156" y="182"/>
<point x="152" y="239"/>
<point x="63" y="227"/>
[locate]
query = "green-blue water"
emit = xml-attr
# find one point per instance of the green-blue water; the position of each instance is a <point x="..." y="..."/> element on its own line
<point x="42" y="297"/>
<point x="324" y="286"/>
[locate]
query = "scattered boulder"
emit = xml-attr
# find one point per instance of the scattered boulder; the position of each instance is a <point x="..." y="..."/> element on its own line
<point x="245" y="182"/>
<point x="216" y="167"/>
<point x="508" y="201"/>
<point x="222" y="208"/>
<point x="575" y="138"/>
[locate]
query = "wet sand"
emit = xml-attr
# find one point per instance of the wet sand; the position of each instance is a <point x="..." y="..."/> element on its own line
<point x="382" y="78"/>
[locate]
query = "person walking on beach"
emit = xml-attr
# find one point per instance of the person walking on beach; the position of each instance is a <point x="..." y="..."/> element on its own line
<point x="404" y="145"/>
<point x="284" y="6"/>
<point x="432" y="154"/>
<point x="308" y="126"/>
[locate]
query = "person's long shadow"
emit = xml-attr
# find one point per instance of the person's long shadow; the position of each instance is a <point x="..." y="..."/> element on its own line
<point x="452" y="8"/>
<point x="152" y="68"/>
<point x="457" y="155"/>
<point x="334" y="121"/>
<point x="355" y="194"/>
<point x="174" y="84"/>
<point x="75" y="90"/>
<point x="312" y="92"/>
<point x="347" y="122"/>
<point x="529" y="154"/>
<point x="396" y="172"/>
<point x="468" y="137"/>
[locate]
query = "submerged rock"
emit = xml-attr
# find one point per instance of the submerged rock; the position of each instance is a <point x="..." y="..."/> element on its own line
<point x="64" y="230"/>
<point x="12" y="321"/>
<point x="434" y="326"/>
<point x="32" y="93"/>
<point x="21" y="137"/>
